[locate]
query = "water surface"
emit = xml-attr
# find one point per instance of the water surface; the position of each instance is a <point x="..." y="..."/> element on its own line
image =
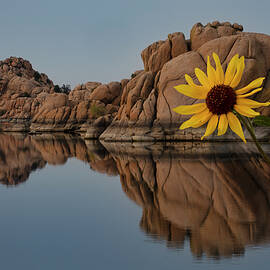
<point x="67" y="203"/>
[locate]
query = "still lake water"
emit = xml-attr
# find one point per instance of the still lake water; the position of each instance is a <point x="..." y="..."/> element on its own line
<point x="67" y="203"/>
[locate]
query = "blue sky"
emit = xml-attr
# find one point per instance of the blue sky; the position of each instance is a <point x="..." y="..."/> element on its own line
<point x="79" y="41"/>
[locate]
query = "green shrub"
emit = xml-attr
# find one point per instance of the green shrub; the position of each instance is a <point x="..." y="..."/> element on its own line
<point x="24" y="94"/>
<point x="57" y="89"/>
<point x="37" y="76"/>
<point x="2" y="112"/>
<point x="65" y="89"/>
<point x="97" y="111"/>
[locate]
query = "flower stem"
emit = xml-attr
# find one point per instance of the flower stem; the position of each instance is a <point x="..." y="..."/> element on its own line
<point x="250" y="124"/>
<point x="250" y="129"/>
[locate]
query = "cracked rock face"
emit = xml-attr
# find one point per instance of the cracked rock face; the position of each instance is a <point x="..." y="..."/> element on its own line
<point x="157" y="54"/>
<point x="28" y="102"/>
<point x="137" y="108"/>
<point x="169" y="61"/>
<point x="256" y="65"/>
<point x="20" y="87"/>
<point x="200" y="34"/>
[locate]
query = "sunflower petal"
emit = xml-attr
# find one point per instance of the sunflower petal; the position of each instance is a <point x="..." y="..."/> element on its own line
<point x="211" y="73"/>
<point x="251" y="103"/>
<point x="254" y="84"/>
<point x="219" y="70"/>
<point x="212" y="124"/>
<point x="203" y="119"/>
<point x="235" y="125"/>
<point x="197" y="120"/>
<point x="201" y="122"/>
<point x="192" y="84"/>
<point x="230" y="72"/>
<point x="239" y="73"/>
<point x="246" y="111"/>
<point x="222" y="125"/>
<point x="190" y="109"/>
<point x="190" y="91"/>
<point x="250" y="93"/>
<point x="202" y="78"/>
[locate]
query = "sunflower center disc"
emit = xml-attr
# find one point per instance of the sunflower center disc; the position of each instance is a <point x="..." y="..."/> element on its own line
<point x="220" y="99"/>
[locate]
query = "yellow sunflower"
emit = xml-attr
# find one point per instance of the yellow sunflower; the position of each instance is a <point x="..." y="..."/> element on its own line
<point x="221" y="97"/>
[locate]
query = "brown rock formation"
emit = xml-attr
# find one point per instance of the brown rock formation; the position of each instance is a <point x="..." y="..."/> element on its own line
<point x="83" y="91"/>
<point x="28" y="102"/>
<point x="169" y="61"/>
<point x="173" y="74"/>
<point x="20" y="87"/>
<point x="160" y="52"/>
<point x="88" y="107"/>
<point x="200" y="34"/>
<point x="139" y="109"/>
<point x="136" y="107"/>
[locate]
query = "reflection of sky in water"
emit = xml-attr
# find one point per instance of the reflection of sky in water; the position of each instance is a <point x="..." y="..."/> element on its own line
<point x="71" y="217"/>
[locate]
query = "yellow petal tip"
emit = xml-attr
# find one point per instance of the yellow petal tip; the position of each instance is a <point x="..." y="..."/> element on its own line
<point x="182" y="126"/>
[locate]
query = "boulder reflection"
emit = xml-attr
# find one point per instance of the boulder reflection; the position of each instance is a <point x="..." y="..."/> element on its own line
<point x="216" y="196"/>
<point x="21" y="154"/>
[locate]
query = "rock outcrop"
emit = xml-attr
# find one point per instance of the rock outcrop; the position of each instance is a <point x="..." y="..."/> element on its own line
<point x="91" y="105"/>
<point x="20" y="90"/>
<point x="200" y="34"/>
<point x="136" y="109"/>
<point x="30" y="102"/>
<point x="157" y="54"/>
<point x="168" y="67"/>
